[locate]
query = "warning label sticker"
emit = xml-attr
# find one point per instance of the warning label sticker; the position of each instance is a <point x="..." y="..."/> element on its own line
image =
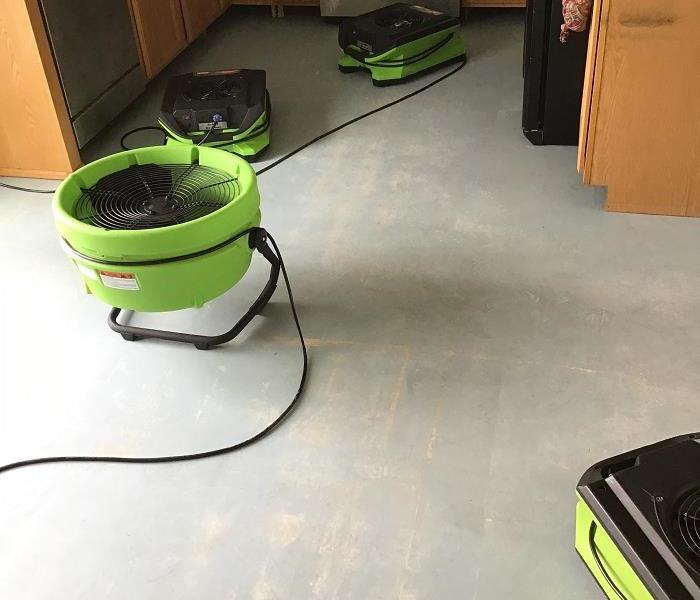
<point x="119" y="281"/>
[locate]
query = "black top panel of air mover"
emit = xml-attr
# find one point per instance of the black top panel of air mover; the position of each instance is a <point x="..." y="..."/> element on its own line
<point x="232" y="99"/>
<point x="653" y="496"/>
<point x="381" y="30"/>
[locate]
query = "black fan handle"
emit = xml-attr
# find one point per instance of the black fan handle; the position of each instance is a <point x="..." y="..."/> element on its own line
<point x="599" y="562"/>
<point x="257" y="239"/>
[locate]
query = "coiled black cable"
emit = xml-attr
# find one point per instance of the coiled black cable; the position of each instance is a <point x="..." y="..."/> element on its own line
<point x="207" y="453"/>
<point x="257" y="437"/>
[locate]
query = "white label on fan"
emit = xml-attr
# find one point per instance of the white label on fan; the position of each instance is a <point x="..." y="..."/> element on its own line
<point x="119" y="281"/>
<point x="87" y="271"/>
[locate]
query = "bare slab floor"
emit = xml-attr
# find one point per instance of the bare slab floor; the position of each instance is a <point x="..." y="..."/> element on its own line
<point x="481" y="331"/>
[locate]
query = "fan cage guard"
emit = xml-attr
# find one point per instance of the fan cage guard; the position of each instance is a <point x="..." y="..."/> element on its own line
<point x="143" y="227"/>
<point x="150" y="196"/>
<point x="164" y="244"/>
<point x="688" y="523"/>
<point x="224" y="87"/>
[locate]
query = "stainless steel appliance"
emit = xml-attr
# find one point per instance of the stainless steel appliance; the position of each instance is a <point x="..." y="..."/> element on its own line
<point x="96" y="55"/>
<point x="351" y="8"/>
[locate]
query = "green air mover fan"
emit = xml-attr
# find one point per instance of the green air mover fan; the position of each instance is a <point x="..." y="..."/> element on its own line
<point x="638" y="522"/>
<point x="162" y="229"/>
<point x="399" y="42"/>
<point x="229" y="110"/>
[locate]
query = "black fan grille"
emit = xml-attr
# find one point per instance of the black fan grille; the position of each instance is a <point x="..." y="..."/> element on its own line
<point x="151" y="196"/>
<point x="213" y="89"/>
<point x="688" y="519"/>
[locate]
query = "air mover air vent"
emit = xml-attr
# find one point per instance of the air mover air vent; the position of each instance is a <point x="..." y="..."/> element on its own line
<point x="688" y="519"/>
<point x="214" y="88"/>
<point x="150" y="196"/>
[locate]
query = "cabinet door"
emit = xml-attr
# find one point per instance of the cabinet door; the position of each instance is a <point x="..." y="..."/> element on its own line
<point x="199" y="14"/>
<point x="161" y="32"/>
<point x="589" y="102"/>
<point x="644" y="129"/>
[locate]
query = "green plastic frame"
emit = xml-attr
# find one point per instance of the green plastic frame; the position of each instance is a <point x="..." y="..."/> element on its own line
<point x="612" y="560"/>
<point x="108" y="260"/>
<point x="451" y="52"/>
<point x="241" y="143"/>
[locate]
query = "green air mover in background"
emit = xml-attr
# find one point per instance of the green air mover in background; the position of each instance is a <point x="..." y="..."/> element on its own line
<point x="638" y="522"/>
<point x="399" y="42"/>
<point x="163" y="228"/>
<point x="229" y="110"/>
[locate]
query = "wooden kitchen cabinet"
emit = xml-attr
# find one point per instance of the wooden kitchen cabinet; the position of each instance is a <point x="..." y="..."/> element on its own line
<point x="36" y="137"/>
<point x="161" y="33"/>
<point x="199" y="14"/>
<point x="640" y="119"/>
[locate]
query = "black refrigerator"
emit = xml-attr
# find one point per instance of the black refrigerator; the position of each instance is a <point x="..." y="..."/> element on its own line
<point x="554" y="74"/>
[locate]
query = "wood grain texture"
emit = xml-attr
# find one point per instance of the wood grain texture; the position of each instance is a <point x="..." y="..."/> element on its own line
<point x="644" y="124"/>
<point x="198" y="15"/>
<point x="36" y="136"/>
<point x="588" y="87"/>
<point x="161" y="32"/>
<point x="601" y="10"/>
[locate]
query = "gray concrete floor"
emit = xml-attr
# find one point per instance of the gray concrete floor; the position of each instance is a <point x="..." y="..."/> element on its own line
<point x="481" y="331"/>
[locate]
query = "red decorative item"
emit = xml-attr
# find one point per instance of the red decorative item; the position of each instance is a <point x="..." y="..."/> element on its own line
<point x="576" y="14"/>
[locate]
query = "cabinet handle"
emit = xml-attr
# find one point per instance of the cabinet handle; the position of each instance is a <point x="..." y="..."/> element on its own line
<point x="646" y="21"/>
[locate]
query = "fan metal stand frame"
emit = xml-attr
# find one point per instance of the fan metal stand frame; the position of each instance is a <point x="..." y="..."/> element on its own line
<point x="258" y="241"/>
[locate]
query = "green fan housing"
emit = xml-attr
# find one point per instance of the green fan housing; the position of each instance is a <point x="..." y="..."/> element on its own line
<point x="398" y="64"/>
<point x="166" y="268"/>
<point x="612" y="558"/>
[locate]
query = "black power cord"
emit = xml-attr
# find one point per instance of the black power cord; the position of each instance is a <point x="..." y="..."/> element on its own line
<point x="362" y="116"/>
<point x="208" y="453"/>
<point x="257" y="437"/>
<point x="137" y="129"/>
<point x="24" y="189"/>
<point x="289" y="155"/>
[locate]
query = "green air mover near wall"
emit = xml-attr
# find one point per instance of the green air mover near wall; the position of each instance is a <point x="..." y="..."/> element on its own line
<point x="229" y="110"/>
<point x="399" y="42"/>
<point x="249" y="144"/>
<point x="129" y="183"/>
<point x="638" y="522"/>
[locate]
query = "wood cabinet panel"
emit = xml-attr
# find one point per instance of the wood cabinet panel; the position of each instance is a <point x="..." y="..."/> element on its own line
<point x="161" y="32"/>
<point x="199" y="14"/>
<point x="591" y="92"/>
<point x="36" y="137"/>
<point x="643" y="119"/>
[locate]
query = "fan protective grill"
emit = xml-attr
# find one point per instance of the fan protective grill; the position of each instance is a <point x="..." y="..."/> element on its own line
<point x="150" y="196"/>
<point x="214" y="88"/>
<point x="688" y="521"/>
